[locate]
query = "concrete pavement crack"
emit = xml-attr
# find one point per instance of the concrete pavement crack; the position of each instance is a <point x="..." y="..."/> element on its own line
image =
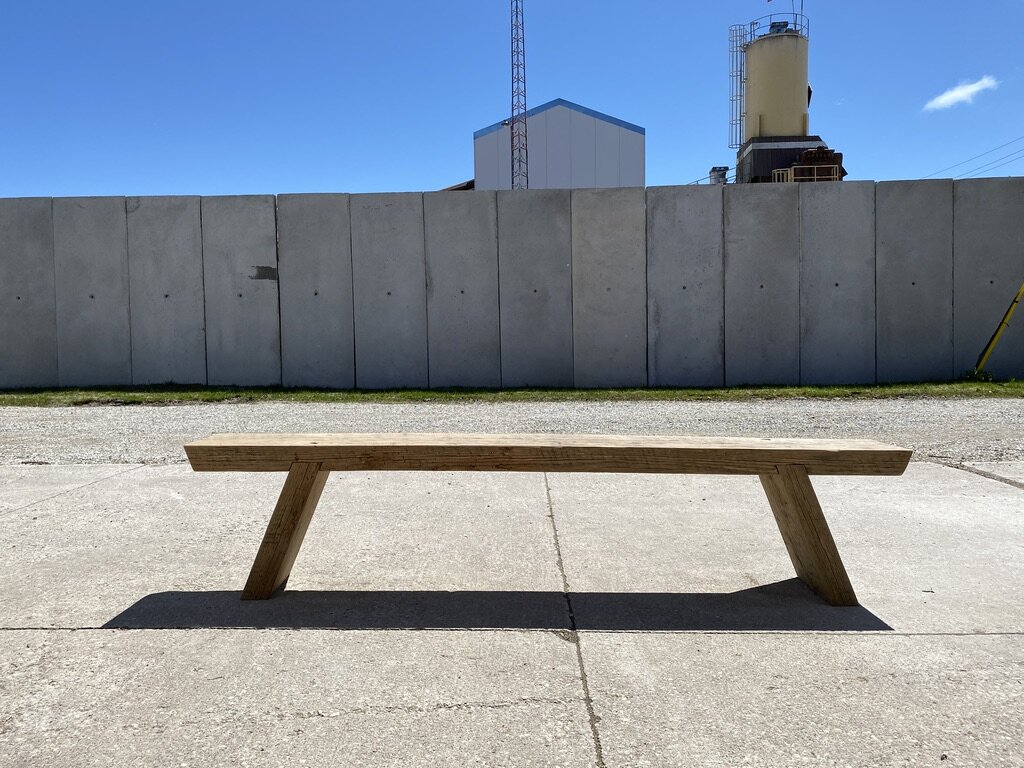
<point x="574" y="635"/>
<point x="133" y="468"/>
<point x="975" y="471"/>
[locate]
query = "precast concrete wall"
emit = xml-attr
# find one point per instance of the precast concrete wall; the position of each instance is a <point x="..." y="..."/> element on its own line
<point x="461" y="249"/>
<point x="914" y="280"/>
<point x="90" y="253"/>
<point x="988" y="270"/>
<point x="389" y="291"/>
<point x="831" y="283"/>
<point x="166" y="297"/>
<point x="535" y="286"/>
<point x="609" y="287"/>
<point x="243" y="336"/>
<point x="837" y="283"/>
<point x="315" y="270"/>
<point x="28" y="306"/>
<point x="685" y="287"/>
<point x="762" y="284"/>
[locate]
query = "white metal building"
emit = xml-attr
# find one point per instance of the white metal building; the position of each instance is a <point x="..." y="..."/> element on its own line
<point x="570" y="146"/>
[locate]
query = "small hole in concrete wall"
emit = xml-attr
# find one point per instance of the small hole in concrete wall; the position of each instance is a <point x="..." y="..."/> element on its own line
<point x="912" y="282"/>
<point x="167" y="295"/>
<point x="534" y="290"/>
<point x="389" y="293"/>
<point x="991" y="282"/>
<point x="316" y="293"/>
<point x="92" y="296"/>
<point x="461" y="291"/>
<point x="18" y="298"/>
<point x="239" y="295"/>
<point x="762" y="286"/>
<point x="684" y="287"/>
<point x="837" y="285"/>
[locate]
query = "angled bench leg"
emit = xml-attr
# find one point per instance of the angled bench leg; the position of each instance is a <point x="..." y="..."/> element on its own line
<point x="286" y="530"/>
<point x="808" y="539"/>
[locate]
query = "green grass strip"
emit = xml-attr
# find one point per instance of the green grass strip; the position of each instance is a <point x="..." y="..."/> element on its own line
<point x="175" y="395"/>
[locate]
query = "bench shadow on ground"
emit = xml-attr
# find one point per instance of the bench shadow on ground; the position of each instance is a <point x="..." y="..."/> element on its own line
<point x="783" y="606"/>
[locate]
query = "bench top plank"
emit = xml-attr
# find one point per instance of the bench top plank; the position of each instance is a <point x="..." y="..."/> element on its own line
<point x="544" y="453"/>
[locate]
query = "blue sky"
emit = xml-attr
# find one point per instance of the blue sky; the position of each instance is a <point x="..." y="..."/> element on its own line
<point x="249" y="96"/>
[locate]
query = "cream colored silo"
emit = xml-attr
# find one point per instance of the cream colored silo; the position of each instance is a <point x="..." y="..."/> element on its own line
<point x="776" y="85"/>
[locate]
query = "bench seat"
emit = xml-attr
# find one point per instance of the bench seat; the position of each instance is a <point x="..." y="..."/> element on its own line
<point x="783" y="465"/>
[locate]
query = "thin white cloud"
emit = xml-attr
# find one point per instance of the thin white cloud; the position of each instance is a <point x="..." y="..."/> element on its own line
<point x="961" y="94"/>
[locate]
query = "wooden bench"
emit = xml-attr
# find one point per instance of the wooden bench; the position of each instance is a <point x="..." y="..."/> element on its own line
<point x="784" y="467"/>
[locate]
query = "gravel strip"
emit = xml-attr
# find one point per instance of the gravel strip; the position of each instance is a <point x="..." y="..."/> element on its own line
<point x="952" y="430"/>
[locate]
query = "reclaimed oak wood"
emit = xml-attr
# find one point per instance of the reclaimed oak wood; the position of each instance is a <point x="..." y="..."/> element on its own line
<point x="287" y="529"/>
<point x="544" y="453"/>
<point x="784" y="467"/>
<point x="806" y="534"/>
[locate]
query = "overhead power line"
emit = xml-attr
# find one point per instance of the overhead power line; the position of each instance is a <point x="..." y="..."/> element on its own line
<point x="965" y="162"/>
<point x="1010" y="158"/>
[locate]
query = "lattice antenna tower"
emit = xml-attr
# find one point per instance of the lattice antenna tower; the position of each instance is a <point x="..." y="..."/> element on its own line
<point x="520" y="153"/>
<point x="738" y="38"/>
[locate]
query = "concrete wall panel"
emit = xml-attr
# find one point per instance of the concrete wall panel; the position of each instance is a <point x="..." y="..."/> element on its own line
<point x="165" y="268"/>
<point x="685" y="286"/>
<point x="914" y="280"/>
<point x="762" y="284"/>
<point x="243" y="341"/>
<point x="837" y="283"/>
<point x="988" y="269"/>
<point x="463" y="337"/>
<point x="609" y="288"/>
<point x="535" y="278"/>
<point x="28" y="309"/>
<point x="389" y="289"/>
<point x="91" y="279"/>
<point x="315" y="257"/>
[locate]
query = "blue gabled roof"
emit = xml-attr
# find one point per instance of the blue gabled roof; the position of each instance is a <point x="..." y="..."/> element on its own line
<point x="569" y="105"/>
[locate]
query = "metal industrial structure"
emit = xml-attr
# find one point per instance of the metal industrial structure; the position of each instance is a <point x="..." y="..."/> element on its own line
<point x="518" y="133"/>
<point x="769" y="97"/>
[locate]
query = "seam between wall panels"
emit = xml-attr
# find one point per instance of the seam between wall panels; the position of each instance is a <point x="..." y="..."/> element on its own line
<point x="799" y="286"/>
<point x="874" y="198"/>
<point x="277" y="266"/>
<point x="53" y="265"/>
<point x="202" y="268"/>
<point x="572" y="293"/>
<point x="952" y="279"/>
<point x="128" y="277"/>
<point x="723" y="225"/>
<point x="426" y="287"/>
<point x="352" y="285"/>
<point x="647" y="296"/>
<point x="497" y="267"/>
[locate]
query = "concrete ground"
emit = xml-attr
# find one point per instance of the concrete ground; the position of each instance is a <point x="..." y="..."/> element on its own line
<point x="508" y="619"/>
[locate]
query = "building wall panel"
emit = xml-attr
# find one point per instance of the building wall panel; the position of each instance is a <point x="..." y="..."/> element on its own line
<point x="609" y="288"/>
<point x="837" y="283"/>
<point x="535" y="284"/>
<point x="91" y="279"/>
<point x="914" y="280"/>
<point x="988" y="269"/>
<point x="315" y="255"/>
<point x="685" y="276"/>
<point x="28" y="308"/>
<point x="463" y="338"/>
<point x="243" y="343"/>
<point x="762" y="284"/>
<point x="389" y="288"/>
